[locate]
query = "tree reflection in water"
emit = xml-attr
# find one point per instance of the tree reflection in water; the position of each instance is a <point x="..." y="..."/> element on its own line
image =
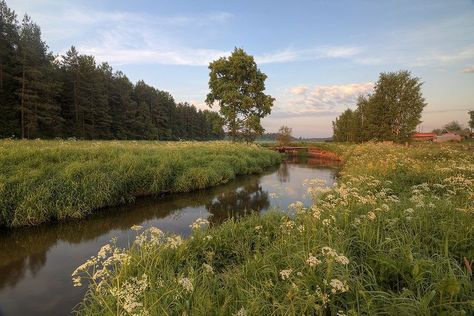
<point x="25" y="249"/>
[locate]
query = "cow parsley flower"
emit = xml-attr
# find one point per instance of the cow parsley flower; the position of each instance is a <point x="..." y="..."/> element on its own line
<point x="241" y="312"/>
<point x="186" y="284"/>
<point x="285" y="274"/>
<point x="199" y="223"/>
<point x="313" y="261"/>
<point x="338" y="286"/>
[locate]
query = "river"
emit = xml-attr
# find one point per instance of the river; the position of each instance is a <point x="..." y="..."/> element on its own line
<point x="36" y="263"/>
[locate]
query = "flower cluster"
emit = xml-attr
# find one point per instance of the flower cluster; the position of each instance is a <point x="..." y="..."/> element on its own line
<point x="287" y="225"/>
<point x="338" y="286"/>
<point x="331" y="254"/>
<point x="187" y="284"/>
<point x="98" y="268"/>
<point x="199" y="223"/>
<point x="285" y="274"/>
<point x="129" y="295"/>
<point x="313" y="261"/>
<point x="174" y="242"/>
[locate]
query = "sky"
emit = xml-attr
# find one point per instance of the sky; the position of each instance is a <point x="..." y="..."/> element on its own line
<point x="318" y="55"/>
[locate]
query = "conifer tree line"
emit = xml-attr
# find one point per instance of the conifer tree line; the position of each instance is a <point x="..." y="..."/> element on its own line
<point x="391" y="112"/>
<point x="48" y="96"/>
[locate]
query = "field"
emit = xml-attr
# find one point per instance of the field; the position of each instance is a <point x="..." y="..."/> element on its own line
<point x="42" y="181"/>
<point x="394" y="237"/>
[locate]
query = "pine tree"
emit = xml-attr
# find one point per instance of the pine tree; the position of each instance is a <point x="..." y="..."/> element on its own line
<point x="37" y="89"/>
<point x="9" y="102"/>
<point x="72" y="96"/>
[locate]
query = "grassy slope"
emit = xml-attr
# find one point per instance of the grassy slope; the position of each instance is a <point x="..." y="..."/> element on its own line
<point x="403" y="216"/>
<point x="46" y="180"/>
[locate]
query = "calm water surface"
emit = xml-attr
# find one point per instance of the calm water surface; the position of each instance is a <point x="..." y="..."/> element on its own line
<point x="36" y="263"/>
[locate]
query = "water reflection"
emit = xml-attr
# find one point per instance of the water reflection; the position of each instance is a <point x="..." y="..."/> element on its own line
<point x="36" y="263"/>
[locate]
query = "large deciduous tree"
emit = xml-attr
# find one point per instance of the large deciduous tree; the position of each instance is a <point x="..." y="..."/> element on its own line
<point x="398" y="102"/>
<point x="391" y="112"/>
<point x="237" y="85"/>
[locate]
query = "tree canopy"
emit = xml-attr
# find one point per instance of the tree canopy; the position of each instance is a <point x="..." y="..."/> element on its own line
<point x="237" y="86"/>
<point x="47" y="96"/>
<point x="391" y="112"/>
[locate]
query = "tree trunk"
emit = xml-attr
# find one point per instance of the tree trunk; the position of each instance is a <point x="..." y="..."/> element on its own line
<point x="1" y="74"/>
<point x="92" y="113"/>
<point x="75" y="97"/>
<point x="23" y="103"/>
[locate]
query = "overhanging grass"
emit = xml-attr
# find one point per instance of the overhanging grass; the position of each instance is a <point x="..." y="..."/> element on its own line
<point x="54" y="180"/>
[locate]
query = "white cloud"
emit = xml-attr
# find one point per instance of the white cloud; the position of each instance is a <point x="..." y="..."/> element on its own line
<point x="468" y="69"/>
<point x="327" y="100"/>
<point x="168" y="56"/>
<point x="122" y="37"/>
<point x="281" y="56"/>
<point x="298" y="90"/>
<point x="292" y="55"/>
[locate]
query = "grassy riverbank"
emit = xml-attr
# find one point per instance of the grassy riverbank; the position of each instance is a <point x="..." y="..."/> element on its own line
<point x="54" y="180"/>
<point x="390" y="238"/>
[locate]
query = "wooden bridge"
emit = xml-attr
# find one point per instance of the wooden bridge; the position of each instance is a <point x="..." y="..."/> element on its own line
<point x="311" y="151"/>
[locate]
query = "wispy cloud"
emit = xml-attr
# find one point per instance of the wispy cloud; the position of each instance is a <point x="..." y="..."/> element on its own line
<point x="142" y="38"/>
<point x="468" y="69"/>
<point x="446" y="42"/>
<point x="321" y="52"/>
<point x="327" y="100"/>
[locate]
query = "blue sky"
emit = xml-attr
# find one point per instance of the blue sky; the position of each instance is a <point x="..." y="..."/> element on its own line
<point x="318" y="55"/>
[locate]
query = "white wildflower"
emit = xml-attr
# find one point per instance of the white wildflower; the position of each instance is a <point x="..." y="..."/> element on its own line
<point x="371" y="216"/>
<point x="312" y="260"/>
<point x="241" y="312"/>
<point x="174" y="242"/>
<point x="104" y="251"/>
<point x="342" y="259"/>
<point x="338" y="286"/>
<point x="198" y="223"/>
<point x="186" y="284"/>
<point x="136" y="227"/>
<point x="285" y="274"/>
<point x="298" y="205"/>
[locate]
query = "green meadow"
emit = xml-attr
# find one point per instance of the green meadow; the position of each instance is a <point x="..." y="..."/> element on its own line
<point x="43" y="181"/>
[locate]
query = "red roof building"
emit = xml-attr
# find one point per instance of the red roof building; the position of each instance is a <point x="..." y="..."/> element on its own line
<point x="424" y="136"/>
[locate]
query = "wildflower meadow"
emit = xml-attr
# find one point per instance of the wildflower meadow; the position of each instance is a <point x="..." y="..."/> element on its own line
<point x="394" y="236"/>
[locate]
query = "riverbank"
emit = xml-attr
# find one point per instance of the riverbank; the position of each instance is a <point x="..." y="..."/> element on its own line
<point x="43" y="181"/>
<point x="393" y="237"/>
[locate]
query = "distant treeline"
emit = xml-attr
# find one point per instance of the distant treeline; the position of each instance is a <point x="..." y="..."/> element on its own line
<point x="46" y="96"/>
<point x="270" y="137"/>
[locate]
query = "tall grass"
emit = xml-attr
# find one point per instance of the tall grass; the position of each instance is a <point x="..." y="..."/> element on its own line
<point x="54" y="180"/>
<point x="389" y="239"/>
